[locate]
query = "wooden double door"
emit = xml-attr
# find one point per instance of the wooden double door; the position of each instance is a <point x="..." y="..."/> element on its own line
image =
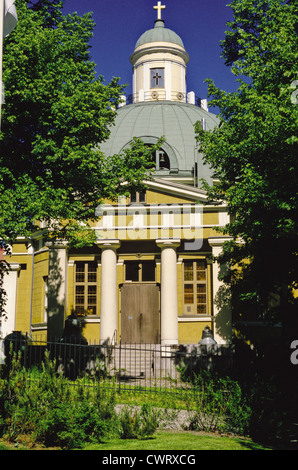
<point x="140" y="313"/>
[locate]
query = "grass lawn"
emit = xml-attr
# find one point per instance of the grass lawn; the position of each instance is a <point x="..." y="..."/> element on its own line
<point x="164" y="441"/>
<point x="189" y="441"/>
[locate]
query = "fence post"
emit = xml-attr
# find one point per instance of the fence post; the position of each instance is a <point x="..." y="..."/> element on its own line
<point x="119" y="369"/>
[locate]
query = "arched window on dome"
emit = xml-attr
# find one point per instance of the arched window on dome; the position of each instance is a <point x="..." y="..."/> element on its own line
<point x="161" y="159"/>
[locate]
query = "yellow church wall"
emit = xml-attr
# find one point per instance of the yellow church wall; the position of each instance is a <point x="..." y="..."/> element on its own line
<point x="91" y="331"/>
<point x="155" y="197"/>
<point x="41" y="269"/>
<point x="210" y="218"/>
<point x="19" y="247"/>
<point x="149" y="223"/>
<point x="190" y="332"/>
<point x="23" y="303"/>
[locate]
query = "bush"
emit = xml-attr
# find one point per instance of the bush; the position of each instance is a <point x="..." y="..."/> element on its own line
<point x="52" y="411"/>
<point x="220" y="405"/>
<point x="73" y="424"/>
<point x="138" y="423"/>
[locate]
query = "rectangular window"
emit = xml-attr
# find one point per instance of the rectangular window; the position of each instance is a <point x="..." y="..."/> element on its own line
<point x="86" y="288"/>
<point x="137" y="197"/>
<point x="195" y="287"/>
<point x="143" y="271"/>
<point x="157" y="78"/>
<point x="132" y="271"/>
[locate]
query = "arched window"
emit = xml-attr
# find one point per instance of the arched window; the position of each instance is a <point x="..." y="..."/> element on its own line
<point x="162" y="161"/>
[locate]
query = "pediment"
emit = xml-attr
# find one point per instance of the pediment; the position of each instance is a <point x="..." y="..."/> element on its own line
<point x="181" y="192"/>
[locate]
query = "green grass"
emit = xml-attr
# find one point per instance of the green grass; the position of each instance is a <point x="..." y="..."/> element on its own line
<point x="168" y="441"/>
<point x="179" y="441"/>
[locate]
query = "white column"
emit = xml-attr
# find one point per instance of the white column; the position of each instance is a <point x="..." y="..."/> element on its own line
<point x="169" y="296"/>
<point x="222" y="312"/>
<point x="10" y="282"/>
<point x="57" y="287"/>
<point x="108" y="299"/>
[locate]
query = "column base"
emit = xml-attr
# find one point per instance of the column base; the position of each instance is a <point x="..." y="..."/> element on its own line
<point x="169" y="342"/>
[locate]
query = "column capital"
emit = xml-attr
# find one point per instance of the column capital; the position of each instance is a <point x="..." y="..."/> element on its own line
<point x="218" y="241"/>
<point x="108" y="244"/>
<point x="57" y="244"/>
<point x="168" y="243"/>
<point x="14" y="266"/>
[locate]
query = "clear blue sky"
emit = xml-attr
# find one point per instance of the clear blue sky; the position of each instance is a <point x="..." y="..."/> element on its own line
<point x="201" y="24"/>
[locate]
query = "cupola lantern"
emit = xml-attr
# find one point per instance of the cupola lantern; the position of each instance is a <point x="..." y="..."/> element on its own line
<point x="159" y="64"/>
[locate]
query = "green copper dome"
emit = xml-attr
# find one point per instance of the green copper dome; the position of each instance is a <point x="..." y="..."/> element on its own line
<point x="159" y="34"/>
<point x="175" y="121"/>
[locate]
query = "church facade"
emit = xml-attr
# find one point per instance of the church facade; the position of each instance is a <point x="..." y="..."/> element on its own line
<point x="151" y="277"/>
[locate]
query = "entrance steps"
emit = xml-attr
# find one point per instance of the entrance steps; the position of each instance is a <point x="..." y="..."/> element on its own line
<point x="143" y="361"/>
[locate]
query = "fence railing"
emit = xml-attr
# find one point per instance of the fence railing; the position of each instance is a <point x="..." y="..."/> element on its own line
<point x="146" y="367"/>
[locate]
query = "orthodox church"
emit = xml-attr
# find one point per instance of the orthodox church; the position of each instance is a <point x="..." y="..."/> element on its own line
<point x="151" y="277"/>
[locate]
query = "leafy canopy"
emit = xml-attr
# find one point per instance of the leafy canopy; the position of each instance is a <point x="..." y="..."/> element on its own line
<point x="253" y="153"/>
<point x="56" y="114"/>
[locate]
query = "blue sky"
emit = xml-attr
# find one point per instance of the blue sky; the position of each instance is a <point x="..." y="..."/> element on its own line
<point x="201" y="24"/>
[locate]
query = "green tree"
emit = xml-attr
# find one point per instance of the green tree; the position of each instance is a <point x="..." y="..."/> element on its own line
<point x="253" y="153"/>
<point x="57" y="111"/>
<point x="56" y="114"/>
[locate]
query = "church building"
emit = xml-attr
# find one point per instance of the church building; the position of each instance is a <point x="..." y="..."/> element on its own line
<point x="151" y="277"/>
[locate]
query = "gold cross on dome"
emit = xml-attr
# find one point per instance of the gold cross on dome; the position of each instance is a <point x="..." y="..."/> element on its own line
<point x="159" y="7"/>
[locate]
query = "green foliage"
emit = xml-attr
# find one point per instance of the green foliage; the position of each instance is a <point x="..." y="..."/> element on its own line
<point x="57" y="112"/>
<point x="253" y="152"/>
<point x="220" y="405"/>
<point x="71" y="424"/>
<point x="54" y="413"/>
<point x="138" y="423"/>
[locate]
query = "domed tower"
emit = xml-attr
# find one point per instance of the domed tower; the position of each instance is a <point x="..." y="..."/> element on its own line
<point x="159" y="64"/>
<point x="161" y="106"/>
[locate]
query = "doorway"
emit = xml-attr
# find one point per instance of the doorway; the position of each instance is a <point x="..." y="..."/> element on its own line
<point x="140" y="313"/>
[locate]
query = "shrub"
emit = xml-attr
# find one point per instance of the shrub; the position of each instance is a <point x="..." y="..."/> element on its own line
<point x="138" y="423"/>
<point x="220" y="405"/>
<point x="54" y="412"/>
<point x="74" y="423"/>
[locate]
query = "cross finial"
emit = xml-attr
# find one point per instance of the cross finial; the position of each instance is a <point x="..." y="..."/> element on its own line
<point x="159" y="7"/>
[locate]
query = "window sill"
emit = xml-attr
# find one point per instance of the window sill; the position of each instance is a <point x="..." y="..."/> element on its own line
<point x="92" y="319"/>
<point x="196" y="318"/>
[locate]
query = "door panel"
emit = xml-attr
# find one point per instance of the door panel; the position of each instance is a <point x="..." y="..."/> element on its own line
<point x="140" y="319"/>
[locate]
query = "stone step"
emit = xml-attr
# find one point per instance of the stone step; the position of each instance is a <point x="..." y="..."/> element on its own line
<point x="142" y="360"/>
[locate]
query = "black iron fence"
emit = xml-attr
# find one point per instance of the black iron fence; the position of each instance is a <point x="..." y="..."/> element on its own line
<point x="147" y="367"/>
